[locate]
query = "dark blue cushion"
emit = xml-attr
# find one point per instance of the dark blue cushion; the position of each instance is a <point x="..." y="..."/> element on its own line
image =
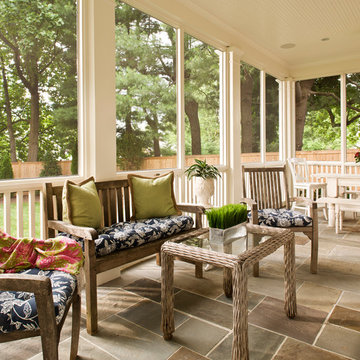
<point x="18" y="309"/>
<point x="130" y="234"/>
<point x="282" y="218"/>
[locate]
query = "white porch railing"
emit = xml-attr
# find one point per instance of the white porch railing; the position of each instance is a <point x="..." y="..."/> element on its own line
<point x="22" y="212"/>
<point x="21" y="201"/>
<point x="332" y="167"/>
<point x="21" y="206"/>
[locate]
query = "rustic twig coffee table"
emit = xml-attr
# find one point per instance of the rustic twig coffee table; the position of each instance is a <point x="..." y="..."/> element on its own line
<point x="235" y="278"/>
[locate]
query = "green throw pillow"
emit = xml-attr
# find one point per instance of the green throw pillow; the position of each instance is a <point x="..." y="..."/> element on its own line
<point x="81" y="204"/>
<point x="152" y="197"/>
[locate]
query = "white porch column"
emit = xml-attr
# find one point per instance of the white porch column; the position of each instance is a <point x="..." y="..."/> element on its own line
<point x="263" y="116"/>
<point x="286" y="119"/>
<point x="343" y="121"/>
<point x="180" y="110"/>
<point x="97" y="49"/>
<point x="233" y="144"/>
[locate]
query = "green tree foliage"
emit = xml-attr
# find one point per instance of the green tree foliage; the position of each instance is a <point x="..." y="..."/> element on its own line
<point x="6" y="171"/>
<point x="201" y="76"/>
<point x="146" y="89"/>
<point x="250" y="109"/>
<point x="146" y="100"/>
<point x="318" y="115"/>
<point x="38" y="77"/>
<point x="272" y="114"/>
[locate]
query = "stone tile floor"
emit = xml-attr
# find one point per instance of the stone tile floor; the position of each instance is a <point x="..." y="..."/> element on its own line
<point x="327" y="326"/>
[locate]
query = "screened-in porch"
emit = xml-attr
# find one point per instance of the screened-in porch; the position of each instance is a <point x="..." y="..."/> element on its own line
<point x="108" y="88"/>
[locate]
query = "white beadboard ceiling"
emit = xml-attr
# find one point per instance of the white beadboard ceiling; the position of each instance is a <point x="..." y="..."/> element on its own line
<point x="258" y="28"/>
<point x="272" y="23"/>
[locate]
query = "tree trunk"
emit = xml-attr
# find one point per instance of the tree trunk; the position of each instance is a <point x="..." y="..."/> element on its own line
<point x="9" y="115"/>
<point x="128" y="127"/>
<point x="153" y="123"/>
<point x="192" y="112"/>
<point x="156" y="147"/>
<point x="34" y="125"/>
<point x="302" y="93"/>
<point x="247" y="84"/>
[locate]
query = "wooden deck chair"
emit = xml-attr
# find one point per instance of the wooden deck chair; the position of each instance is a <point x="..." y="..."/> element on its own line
<point x="267" y="186"/>
<point x="35" y="302"/>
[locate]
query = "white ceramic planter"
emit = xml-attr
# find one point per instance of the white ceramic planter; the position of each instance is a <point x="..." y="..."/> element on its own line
<point x="204" y="190"/>
<point x="232" y="233"/>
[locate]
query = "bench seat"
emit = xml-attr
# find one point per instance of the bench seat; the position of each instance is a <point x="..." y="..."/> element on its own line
<point x="128" y="234"/>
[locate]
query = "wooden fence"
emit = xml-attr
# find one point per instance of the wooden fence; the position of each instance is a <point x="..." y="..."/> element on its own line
<point x="26" y="170"/>
<point x="169" y="162"/>
<point x="32" y="169"/>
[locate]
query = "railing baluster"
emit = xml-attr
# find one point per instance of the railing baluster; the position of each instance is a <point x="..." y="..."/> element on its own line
<point x="42" y="219"/>
<point x="7" y="212"/>
<point x="19" y="214"/>
<point x="32" y="214"/>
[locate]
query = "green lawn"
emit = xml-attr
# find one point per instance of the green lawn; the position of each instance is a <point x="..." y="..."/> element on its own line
<point x="25" y="218"/>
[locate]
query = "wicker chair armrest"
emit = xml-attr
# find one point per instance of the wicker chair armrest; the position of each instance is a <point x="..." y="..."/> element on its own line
<point x="192" y="208"/>
<point x="80" y="231"/>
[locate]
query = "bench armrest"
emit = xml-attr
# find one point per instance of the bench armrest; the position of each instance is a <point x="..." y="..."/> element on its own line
<point x="192" y="208"/>
<point x="80" y="231"/>
<point x="198" y="210"/>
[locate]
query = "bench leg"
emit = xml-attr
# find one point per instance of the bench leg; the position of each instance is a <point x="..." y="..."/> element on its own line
<point x="158" y="259"/>
<point x="75" y="331"/>
<point x="256" y="267"/>
<point x="199" y="270"/>
<point x="90" y="287"/>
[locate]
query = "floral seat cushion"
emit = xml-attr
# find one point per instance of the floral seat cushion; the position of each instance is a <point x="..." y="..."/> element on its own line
<point x="18" y="309"/>
<point x="129" y="234"/>
<point x="283" y="218"/>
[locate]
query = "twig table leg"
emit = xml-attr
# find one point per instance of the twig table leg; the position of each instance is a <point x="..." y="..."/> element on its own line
<point x="167" y="295"/>
<point x="227" y="282"/>
<point x="289" y="278"/>
<point x="240" y="349"/>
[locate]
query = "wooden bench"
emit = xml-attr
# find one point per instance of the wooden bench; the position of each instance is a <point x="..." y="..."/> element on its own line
<point x="115" y="201"/>
<point x="337" y="205"/>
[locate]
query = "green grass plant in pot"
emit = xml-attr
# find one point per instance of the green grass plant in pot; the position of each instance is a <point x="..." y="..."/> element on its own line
<point x="227" y="222"/>
<point x="204" y="174"/>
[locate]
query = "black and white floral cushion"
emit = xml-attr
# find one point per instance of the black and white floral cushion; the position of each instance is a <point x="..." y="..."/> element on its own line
<point x="282" y="218"/>
<point x="18" y="309"/>
<point x="129" y="234"/>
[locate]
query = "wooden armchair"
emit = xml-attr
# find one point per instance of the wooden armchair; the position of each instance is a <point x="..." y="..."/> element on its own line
<point x="45" y="317"/>
<point x="114" y="197"/>
<point x="266" y="188"/>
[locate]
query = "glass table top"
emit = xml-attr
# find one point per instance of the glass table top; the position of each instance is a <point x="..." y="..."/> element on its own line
<point x="233" y="243"/>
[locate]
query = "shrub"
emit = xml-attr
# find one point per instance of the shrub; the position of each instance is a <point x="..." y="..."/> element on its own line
<point x="227" y="216"/>
<point x="6" y="171"/>
<point x="50" y="166"/>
